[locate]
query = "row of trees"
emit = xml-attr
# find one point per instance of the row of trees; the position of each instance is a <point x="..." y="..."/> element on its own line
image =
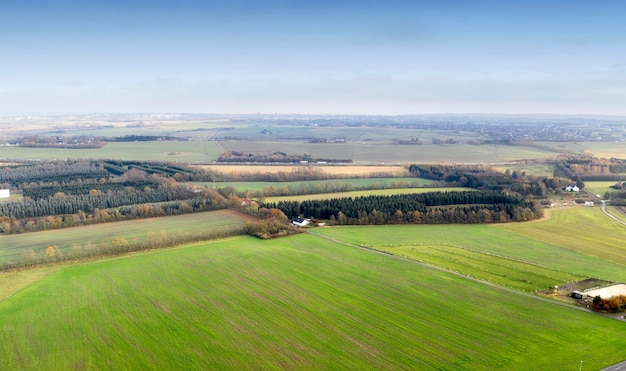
<point x="117" y="245"/>
<point x="432" y="207"/>
<point x="61" y="203"/>
<point x="12" y="225"/>
<point x="275" y="157"/>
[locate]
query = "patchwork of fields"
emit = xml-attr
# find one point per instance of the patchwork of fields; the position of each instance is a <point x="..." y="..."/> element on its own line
<point x="298" y="302"/>
<point x="309" y="302"/>
<point x="14" y="246"/>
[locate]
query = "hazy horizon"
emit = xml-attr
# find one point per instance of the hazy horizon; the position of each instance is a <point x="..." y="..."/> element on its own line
<point x="287" y="57"/>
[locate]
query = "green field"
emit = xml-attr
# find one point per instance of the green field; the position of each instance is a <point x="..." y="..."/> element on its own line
<point x="599" y="188"/>
<point x="377" y="153"/>
<point x="373" y="192"/>
<point x="514" y="273"/>
<point x="194" y="151"/>
<point x="558" y="243"/>
<point x="355" y="183"/>
<point x="582" y="229"/>
<point x="13" y="246"/>
<point x="295" y="303"/>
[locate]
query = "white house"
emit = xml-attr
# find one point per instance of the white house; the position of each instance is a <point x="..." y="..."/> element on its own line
<point x="300" y="222"/>
<point x="572" y="188"/>
<point x="5" y="193"/>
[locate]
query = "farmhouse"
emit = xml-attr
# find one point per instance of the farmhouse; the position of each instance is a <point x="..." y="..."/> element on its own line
<point x="300" y="222"/>
<point x="571" y="188"/>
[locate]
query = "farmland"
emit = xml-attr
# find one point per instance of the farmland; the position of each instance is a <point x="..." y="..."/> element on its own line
<point x="568" y="248"/>
<point x="299" y="302"/>
<point x="342" y="170"/>
<point x="309" y="301"/>
<point x="14" y="246"/>
<point x="373" y="192"/>
<point x="353" y="183"/>
<point x="154" y="151"/>
<point x="367" y="153"/>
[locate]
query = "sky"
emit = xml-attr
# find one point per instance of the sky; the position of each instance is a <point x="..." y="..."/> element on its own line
<point x="369" y="57"/>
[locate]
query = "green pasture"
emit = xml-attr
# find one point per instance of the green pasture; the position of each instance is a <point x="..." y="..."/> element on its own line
<point x="585" y="230"/>
<point x="364" y="193"/>
<point x="513" y="273"/>
<point x="354" y="183"/>
<point x="599" y="188"/>
<point x="368" y="153"/>
<point x="543" y="170"/>
<point x="526" y="242"/>
<point x="301" y="302"/>
<point x="14" y="245"/>
<point x="193" y="151"/>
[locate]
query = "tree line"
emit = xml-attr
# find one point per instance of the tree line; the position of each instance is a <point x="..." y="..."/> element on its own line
<point x="424" y="208"/>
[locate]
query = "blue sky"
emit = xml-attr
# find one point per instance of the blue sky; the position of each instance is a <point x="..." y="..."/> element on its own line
<point x="345" y="57"/>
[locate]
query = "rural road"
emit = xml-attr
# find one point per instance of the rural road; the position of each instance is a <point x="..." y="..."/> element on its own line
<point x="617" y="367"/>
<point x="609" y="214"/>
<point x="604" y="207"/>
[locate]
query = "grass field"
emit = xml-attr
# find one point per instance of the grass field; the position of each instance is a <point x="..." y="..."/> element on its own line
<point x="514" y="273"/>
<point x="558" y="243"/>
<point x="13" y="246"/>
<point x="344" y="170"/>
<point x="372" y="192"/>
<point x="582" y="229"/>
<point x="198" y="151"/>
<point x="361" y="153"/>
<point x="599" y="188"/>
<point x="295" y="303"/>
<point x="355" y="183"/>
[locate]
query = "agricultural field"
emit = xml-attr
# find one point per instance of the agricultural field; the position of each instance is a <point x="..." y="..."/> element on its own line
<point x="582" y="229"/>
<point x="353" y="183"/>
<point x="13" y="246"/>
<point x="365" y="193"/>
<point x="557" y="243"/>
<point x="599" y="188"/>
<point x="542" y="170"/>
<point x="301" y="302"/>
<point x="606" y="149"/>
<point x="193" y="151"/>
<point x="366" y="153"/>
<point x="342" y="170"/>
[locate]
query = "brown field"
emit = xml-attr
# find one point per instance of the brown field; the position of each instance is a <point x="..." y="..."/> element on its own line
<point x="330" y="169"/>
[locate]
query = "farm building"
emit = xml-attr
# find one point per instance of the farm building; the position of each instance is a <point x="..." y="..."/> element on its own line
<point x="577" y="295"/>
<point x="571" y="188"/>
<point x="300" y="222"/>
<point x="5" y="193"/>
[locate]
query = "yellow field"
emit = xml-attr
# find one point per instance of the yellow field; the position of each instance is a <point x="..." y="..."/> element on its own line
<point x="330" y="169"/>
